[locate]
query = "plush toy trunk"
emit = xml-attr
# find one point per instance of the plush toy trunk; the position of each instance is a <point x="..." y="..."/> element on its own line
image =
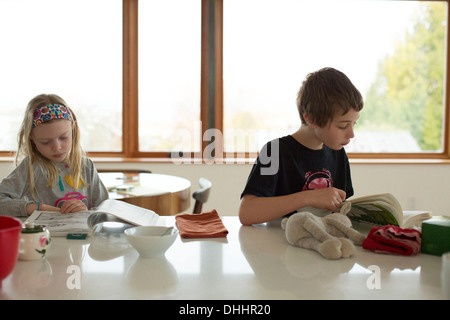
<point x="436" y="235"/>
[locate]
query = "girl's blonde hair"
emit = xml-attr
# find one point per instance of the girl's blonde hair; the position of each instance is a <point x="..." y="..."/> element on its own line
<point x="27" y="148"/>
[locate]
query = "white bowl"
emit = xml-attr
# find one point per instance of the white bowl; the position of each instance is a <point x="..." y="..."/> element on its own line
<point x="151" y="241"/>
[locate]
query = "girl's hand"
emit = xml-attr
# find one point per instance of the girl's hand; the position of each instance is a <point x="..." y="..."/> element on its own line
<point x="73" y="205"/>
<point x="42" y="207"/>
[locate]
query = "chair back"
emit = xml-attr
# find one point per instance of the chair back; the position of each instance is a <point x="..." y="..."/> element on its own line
<point x="201" y="195"/>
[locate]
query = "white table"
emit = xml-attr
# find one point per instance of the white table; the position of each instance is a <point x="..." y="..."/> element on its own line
<point x="253" y="262"/>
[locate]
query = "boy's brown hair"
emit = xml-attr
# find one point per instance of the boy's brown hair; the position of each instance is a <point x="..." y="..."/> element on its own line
<point x="325" y="92"/>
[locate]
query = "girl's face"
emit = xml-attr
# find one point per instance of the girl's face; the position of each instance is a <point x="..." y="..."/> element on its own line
<point x="53" y="139"/>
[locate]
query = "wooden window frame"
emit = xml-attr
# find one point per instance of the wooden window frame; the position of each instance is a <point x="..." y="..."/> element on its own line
<point x="211" y="87"/>
<point x="211" y="105"/>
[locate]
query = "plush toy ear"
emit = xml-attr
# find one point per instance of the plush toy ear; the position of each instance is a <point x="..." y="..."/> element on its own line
<point x="345" y="208"/>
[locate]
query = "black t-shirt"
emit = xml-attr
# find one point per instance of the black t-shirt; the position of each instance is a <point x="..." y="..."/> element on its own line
<point x="284" y="166"/>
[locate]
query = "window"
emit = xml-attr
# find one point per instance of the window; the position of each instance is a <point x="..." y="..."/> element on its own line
<point x="393" y="51"/>
<point x="169" y="75"/>
<point x="152" y="77"/>
<point x="70" y="48"/>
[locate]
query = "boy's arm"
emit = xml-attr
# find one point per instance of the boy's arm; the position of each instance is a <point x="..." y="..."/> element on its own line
<point x="255" y="209"/>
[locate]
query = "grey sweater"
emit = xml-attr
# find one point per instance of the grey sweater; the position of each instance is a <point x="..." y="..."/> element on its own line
<point x="15" y="192"/>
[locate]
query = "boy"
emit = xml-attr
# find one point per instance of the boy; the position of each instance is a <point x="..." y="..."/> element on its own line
<point x="311" y="166"/>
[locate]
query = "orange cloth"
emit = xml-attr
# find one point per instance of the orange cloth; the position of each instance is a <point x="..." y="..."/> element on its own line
<point x="203" y="225"/>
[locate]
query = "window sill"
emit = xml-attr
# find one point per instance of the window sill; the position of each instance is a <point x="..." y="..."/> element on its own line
<point x="250" y="160"/>
<point x="399" y="161"/>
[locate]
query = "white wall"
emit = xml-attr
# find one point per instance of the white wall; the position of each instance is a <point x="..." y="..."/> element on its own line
<point x="417" y="186"/>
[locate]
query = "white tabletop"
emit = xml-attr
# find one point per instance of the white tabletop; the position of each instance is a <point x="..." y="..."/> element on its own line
<point x="143" y="183"/>
<point x="162" y="193"/>
<point x="253" y="262"/>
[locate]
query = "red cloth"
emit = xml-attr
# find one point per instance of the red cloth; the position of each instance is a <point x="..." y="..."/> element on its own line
<point x="203" y="225"/>
<point x="393" y="240"/>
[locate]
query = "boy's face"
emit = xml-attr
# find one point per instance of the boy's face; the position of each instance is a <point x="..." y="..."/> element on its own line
<point x="339" y="131"/>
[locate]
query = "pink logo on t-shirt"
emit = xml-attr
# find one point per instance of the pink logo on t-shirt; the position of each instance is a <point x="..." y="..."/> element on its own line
<point x="318" y="180"/>
<point x="72" y="195"/>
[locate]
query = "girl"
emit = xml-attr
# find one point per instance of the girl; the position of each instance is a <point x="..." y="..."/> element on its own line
<point x="54" y="174"/>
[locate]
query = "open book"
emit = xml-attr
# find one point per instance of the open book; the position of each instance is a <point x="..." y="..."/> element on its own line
<point x="61" y="224"/>
<point x="384" y="209"/>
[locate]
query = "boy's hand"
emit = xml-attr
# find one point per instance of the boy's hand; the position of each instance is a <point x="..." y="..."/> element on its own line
<point x="72" y="205"/>
<point x="328" y="198"/>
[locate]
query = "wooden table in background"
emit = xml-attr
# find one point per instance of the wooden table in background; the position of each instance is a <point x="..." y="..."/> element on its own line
<point x="164" y="194"/>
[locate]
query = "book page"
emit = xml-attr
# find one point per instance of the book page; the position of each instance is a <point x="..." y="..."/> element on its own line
<point x="414" y="219"/>
<point x="62" y="223"/>
<point x="128" y="212"/>
<point x="380" y="209"/>
<point x="372" y="213"/>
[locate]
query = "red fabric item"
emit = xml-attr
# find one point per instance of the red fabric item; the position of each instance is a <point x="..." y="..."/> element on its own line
<point x="203" y="225"/>
<point x="393" y="240"/>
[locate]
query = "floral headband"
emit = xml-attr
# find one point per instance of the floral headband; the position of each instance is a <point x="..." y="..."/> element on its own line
<point x="50" y="112"/>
